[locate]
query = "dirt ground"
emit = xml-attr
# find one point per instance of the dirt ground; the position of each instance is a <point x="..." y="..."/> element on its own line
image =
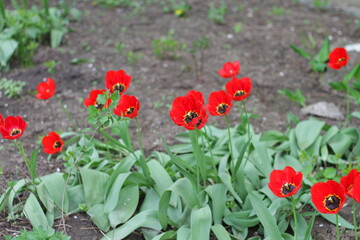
<point x="262" y="49"/>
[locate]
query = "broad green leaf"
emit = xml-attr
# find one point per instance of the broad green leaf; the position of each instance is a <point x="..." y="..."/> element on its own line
<point x="226" y="179"/>
<point x="323" y="54"/>
<point x="7" y="49"/>
<point x="113" y="196"/>
<point x="339" y="86"/>
<point x="353" y="73"/>
<point x="307" y="131"/>
<point x="300" y="51"/>
<point x="183" y="233"/>
<point x="340" y="143"/>
<point x="122" y="129"/>
<point x="330" y="173"/>
<point x="99" y="216"/>
<point x="76" y="196"/>
<point x="160" y="176"/>
<point x="140" y="220"/>
<point x="127" y="204"/>
<point x="94" y="183"/>
<point x="332" y="218"/>
<point x="200" y="223"/>
<point x="34" y="213"/>
<point x="241" y="219"/>
<point x="220" y="232"/>
<point x="56" y="36"/>
<point x="55" y="185"/>
<point x="309" y="228"/>
<point x="13" y="191"/>
<point x="166" y="235"/>
<point x="185" y="189"/>
<point x="332" y="131"/>
<point x="266" y="219"/>
<point x="302" y="226"/>
<point x="261" y="159"/>
<point x="217" y="193"/>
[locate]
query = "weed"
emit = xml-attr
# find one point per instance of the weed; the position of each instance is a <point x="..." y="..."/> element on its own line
<point x="119" y="47"/>
<point x="295" y="96"/>
<point x="238" y="27"/>
<point x="319" y="4"/>
<point x="133" y="57"/>
<point x="40" y="233"/>
<point x="278" y="11"/>
<point x="11" y="87"/>
<point x="198" y="47"/>
<point x="217" y="14"/>
<point x="180" y="9"/>
<point x="167" y="47"/>
<point x="50" y="65"/>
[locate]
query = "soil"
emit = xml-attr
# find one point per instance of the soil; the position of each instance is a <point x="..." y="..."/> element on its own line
<point x="262" y="49"/>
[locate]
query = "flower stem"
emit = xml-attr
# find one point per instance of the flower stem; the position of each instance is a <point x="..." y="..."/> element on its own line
<point x="354" y="219"/>
<point x="337" y="227"/>
<point x="142" y="161"/>
<point x="211" y="153"/>
<point x="347" y="100"/>
<point x="75" y="125"/>
<point x="247" y="119"/>
<point x="21" y="149"/>
<point x="230" y="142"/>
<point x="295" y="218"/>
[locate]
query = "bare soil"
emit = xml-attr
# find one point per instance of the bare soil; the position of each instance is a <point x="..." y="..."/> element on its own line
<point x="262" y="49"/>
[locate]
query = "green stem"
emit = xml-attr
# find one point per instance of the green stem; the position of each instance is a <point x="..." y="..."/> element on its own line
<point x="230" y="142"/>
<point x="347" y="100"/>
<point x="142" y="161"/>
<point x="247" y="119"/>
<point x="76" y="126"/>
<point x="295" y="218"/>
<point x="337" y="227"/>
<point x="21" y="149"/>
<point x="211" y="153"/>
<point x="354" y="219"/>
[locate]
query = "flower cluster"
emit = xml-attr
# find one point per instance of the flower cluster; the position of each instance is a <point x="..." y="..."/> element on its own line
<point x="115" y="81"/>
<point x="328" y="197"/>
<point x="190" y="112"/>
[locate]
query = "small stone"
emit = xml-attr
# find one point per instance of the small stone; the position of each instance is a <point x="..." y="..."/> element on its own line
<point x="323" y="109"/>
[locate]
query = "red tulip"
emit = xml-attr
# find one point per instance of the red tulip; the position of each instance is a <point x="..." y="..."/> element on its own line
<point x="1" y="120"/>
<point x="239" y="89"/>
<point x="285" y="183"/>
<point x="219" y="103"/>
<point x="348" y="181"/>
<point x="13" y="127"/>
<point x="229" y="69"/>
<point x="117" y="81"/>
<point x="338" y="58"/>
<point x="52" y="143"/>
<point x="354" y="192"/>
<point x="328" y="197"/>
<point x="92" y="99"/>
<point x="128" y="106"/>
<point x="46" y="89"/>
<point x="188" y="111"/>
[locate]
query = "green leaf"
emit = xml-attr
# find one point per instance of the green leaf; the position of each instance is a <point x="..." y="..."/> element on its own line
<point x="200" y="223"/>
<point x="94" y="183"/>
<point x="339" y="86"/>
<point x="309" y="228"/>
<point x="185" y="189"/>
<point x="142" y="219"/>
<point x="323" y="54"/>
<point x="340" y="143"/>
<point x="56" y="36"/>
<point x="34" y="213"/>
<point x="300" y="51"/>
<point x="226" y="179"/>
<point x="354" y="72"/>
<point x="355" y="114"/>
<point x="160" y="176"/>
<point x="127" y="204"/>
<point x="261" y="159"/>
<point x="307" y="131"/>
<point x="266" y="219"/>
<point x="332" y="218"/>
<point x="295" y="96"/>
<point x="7" y="49"/>
<point x="113" y="195"/>
<point x="220" y="232"/>
<point x="183" y="233"/>
<point x="217" y="193"/>
<point x="76" y="197"/>
<point x="329" y="173"/>
<point x="55" y="185"/>
<point x="99" y="216"/>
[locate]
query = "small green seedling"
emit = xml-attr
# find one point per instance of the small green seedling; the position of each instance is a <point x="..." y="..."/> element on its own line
<point x="11" y="87"/>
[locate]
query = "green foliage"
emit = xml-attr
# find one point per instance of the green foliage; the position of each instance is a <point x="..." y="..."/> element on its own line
<point x="238" y="27"/>
<point x="278" y="11"/>
<point x="167" y="47"/>
<point x="11" y="87"/>
<point x="180" y="9"/>
<point x="319" y="4"/>
<point x="51" y="65"/>
<point x="24" y="29"/>
<point x="217" y="14"/>
<point x="39" y="233"/>
<point x="295" y="96"/>
<point x="317" y="61"/>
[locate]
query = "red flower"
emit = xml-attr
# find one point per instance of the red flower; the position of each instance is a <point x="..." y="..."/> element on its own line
<point x="52" y="143"/>
<point x="188" y="111"/>
<point x="219" y="103"/>
<point x="354" y="192"/>
<point x="46" y="89"/>
<point x="348" y="181"/>
<point x="92" y="99"/>
<point x="128" y="106"/>
<point x="229" y="70"/>
<point x="13" y="127"/>
<point x="239" y="89"/>
<point x="328" y="197"/>
<point x="117" y="81"/>
<point x="1" y="120"/>
<point x="338" y="58"/>
<point x="285" y="183"/>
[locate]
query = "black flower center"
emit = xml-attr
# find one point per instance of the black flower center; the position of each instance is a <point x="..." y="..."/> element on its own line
<point x="119" y="87"/>
<point x="239" y="93"/>
<point x="99" y="105"/>
<point x="221" y="109"/>
<point x="57" y="144"/>
<point x="130" y="110"/>
<point x="332" y="202"/>
<point x="15" y="131"/>
<point x="287" y="188"/>
<point x="189" y="116"/>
